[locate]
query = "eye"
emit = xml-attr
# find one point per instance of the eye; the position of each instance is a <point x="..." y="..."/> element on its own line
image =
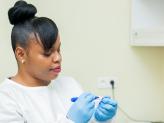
<point x="47" y="54"/>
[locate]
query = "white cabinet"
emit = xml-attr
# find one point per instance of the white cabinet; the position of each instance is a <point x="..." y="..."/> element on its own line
<point x="147" y="23"/>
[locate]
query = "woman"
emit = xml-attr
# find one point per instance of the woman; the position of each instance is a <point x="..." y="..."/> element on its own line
<point x="31" y="96"/>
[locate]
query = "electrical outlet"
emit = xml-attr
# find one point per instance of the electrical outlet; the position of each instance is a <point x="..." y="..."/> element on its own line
<point x="105" y="82"/>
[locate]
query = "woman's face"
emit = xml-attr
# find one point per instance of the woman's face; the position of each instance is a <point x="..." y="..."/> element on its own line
<point x="41" y="65"/>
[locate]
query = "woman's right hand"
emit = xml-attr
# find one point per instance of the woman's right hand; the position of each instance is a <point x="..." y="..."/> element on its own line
<point x="82" y="110"/>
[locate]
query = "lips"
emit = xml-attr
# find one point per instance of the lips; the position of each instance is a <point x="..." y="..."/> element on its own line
<point x="56" y="69"/>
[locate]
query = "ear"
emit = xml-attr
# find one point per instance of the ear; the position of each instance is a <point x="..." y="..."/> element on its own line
<point x="20" y="54"/>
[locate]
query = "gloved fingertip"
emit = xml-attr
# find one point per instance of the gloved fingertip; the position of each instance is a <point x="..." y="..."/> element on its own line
<point x="96" y="97"/>
<point x="109" y="100"/>
<point x="105" y="100"/>
<point x="113" y="102"/>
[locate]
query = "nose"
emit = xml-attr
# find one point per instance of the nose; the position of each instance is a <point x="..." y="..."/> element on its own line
<point x="56" y="57"/>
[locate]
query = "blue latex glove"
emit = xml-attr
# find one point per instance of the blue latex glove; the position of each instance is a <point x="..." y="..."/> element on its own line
<point x="106" y="109"/>
<point x="82" y="110"/>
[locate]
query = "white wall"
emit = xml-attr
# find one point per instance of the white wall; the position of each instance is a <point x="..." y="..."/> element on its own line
<point x="95" y="42"/>
<point x="7" y="63"/>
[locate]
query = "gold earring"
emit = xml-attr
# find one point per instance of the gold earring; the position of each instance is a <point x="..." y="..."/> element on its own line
<point x="23" y="61"/>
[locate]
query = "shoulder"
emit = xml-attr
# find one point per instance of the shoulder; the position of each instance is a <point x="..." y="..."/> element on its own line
<point x="6" y="91"/>
<point x="5" y="86"/>
<point x="8" y="100"/>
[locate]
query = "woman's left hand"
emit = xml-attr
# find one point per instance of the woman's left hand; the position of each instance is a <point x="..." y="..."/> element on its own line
<point x="106" y="109"/>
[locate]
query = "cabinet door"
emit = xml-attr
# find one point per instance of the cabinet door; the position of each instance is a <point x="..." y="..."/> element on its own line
<point x="147" y="23"/>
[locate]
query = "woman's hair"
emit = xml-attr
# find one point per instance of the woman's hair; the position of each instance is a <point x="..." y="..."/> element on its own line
<point x="22" y="16"/>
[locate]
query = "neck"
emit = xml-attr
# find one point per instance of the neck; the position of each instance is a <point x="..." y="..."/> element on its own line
<point x="28" y="80"/>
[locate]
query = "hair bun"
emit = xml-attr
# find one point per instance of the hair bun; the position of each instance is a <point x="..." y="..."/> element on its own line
<point x="21" y="12"/>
